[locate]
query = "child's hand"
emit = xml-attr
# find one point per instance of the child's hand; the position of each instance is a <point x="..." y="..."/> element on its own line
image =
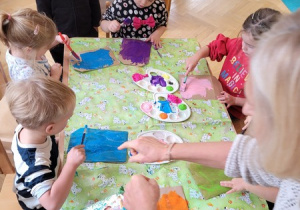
<point x="191" y="63"/>
<point x="154" y="38"/>
<point x="56" y="71"/>
<point x="247" y="122"/>
<point x="76" y="155"/>
<point x="226" y="98"/>
<point x="114" y="26"/>
<point x="237" y="185"/>
<point x="59" y="40"/>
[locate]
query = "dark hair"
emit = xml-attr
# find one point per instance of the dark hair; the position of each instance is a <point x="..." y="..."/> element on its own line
<point x="260" y="21"/>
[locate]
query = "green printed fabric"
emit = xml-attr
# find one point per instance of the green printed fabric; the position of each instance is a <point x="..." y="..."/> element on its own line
<point x="109" y="99"/>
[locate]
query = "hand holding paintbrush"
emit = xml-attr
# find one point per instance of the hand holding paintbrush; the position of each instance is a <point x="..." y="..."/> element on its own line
<point x="69" y="47"/>
<point x="183" y="84"/>
<point x="126" y="21"/>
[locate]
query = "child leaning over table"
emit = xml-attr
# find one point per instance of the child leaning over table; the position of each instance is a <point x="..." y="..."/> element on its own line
<point x="42" y="107"/>
<point x="82" y="20"/>
<point x="148" y="19"/>
<point x="28" y="36"/>
<point x="235" y="69"/>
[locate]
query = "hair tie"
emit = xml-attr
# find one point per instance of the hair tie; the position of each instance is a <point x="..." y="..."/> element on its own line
<point x="9" y="17"/>
<point x="36" y="30"/>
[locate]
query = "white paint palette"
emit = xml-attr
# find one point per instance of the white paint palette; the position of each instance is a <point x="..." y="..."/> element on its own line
<point x="167" y="108"/>
<point x="170" y="82"/>
<point x="163" y="136"/>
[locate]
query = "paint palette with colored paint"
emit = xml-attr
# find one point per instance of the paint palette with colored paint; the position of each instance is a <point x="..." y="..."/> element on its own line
<point x="163" y="136"/>
<point x="167" y="108"/>
<point x="156" y="81"/>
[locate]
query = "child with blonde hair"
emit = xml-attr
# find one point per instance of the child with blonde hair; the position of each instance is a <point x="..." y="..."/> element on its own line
<point x="136" y="19"/>
<point x="271" y="156"/>
<point x="28" y="35"/>
<point x="235" y="69"/>
<point x="42" y="107"/>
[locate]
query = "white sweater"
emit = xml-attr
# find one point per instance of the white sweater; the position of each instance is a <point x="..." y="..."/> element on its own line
<point x="242" y="162"/>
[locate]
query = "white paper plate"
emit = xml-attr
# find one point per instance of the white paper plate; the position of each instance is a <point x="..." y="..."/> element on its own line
<point x="164" y="136"/>
<point x="170" y="80"/>
<point x="152" y="109"/>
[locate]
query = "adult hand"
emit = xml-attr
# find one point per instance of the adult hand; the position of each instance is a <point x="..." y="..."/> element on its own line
<point x="154" y="38"/>
<point x="59" y="39"/>
<point x="141" y="193"/>
<point x="114" y="26"/>
<point x="191" y="63"/>
<point x="237" y="185"/>
<point x="247" y="122"/>
<point x="146" y="149"/>
<point x="226" y="98"/>
<point x="76" y="155"/>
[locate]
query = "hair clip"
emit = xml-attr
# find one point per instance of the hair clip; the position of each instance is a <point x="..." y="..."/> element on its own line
<point x="253" y="15"/>
<point x="36" y="30"/>
<point x="9" y="17"/>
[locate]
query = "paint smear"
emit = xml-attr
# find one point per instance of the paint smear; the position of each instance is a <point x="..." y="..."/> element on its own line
<point x="95" y="60"/>
<point x="172" y="201"/>
<point x="146" y="107"/>
<point x="158" y="80"/>
<point x="101" y="145"/>
<point x="137" y="77"/>
<point x="174" y="99"/>
<point x="165" y="107"/>
<point x="196" y="86"/>
<point x="137" y="51"/>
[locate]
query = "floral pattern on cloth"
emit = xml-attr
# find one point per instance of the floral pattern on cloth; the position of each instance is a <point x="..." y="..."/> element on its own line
<point x="19" y="68"/>
<point x="109" y="99"/>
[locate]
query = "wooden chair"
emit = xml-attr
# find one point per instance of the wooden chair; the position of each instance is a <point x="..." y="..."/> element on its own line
<point x="8" y="199"/>
<point x="168" y="5"/>
<point x="167" y="2"/>
<point x="5" y="165"/>
<point x="3" y="81"/>
<point x="3" y="73"/>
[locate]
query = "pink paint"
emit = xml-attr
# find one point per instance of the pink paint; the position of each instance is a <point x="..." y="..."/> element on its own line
<point x="146" y="107"/>
<point x="137" y="77"/>
<point x="196" y="86"/>
<point x="174" y="99"/>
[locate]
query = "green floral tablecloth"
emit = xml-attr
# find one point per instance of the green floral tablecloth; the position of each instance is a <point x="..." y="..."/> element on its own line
<point x="108" y="99"/>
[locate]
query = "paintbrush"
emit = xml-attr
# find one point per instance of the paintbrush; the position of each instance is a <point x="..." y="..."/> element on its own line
<point x="84" y="133"/>
<point x="183" y="85"/>
<point x="157" y="51"/>
<point x="72" y="51"/>
<point x="126" y="22"/>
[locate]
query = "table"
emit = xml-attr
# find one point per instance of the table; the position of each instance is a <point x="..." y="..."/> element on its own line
<point x="109" y="99"/>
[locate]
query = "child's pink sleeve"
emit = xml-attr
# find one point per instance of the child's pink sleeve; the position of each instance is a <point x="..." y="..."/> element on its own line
<point x="219" y="48"/>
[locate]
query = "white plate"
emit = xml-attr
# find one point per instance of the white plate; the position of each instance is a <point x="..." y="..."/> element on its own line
<point x="164" y="136"/>
<point x="170" y="80"/>
<point x="152" y="109"/>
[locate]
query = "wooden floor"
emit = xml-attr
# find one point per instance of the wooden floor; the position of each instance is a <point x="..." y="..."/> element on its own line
<point x="200" y="19"/>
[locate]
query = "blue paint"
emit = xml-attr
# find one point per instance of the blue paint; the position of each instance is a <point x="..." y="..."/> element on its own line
<point x="101" y="145"/>
<point x="165" y="107"/>
<point x="292" y="5"/>
<point x="95" y="60"/>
